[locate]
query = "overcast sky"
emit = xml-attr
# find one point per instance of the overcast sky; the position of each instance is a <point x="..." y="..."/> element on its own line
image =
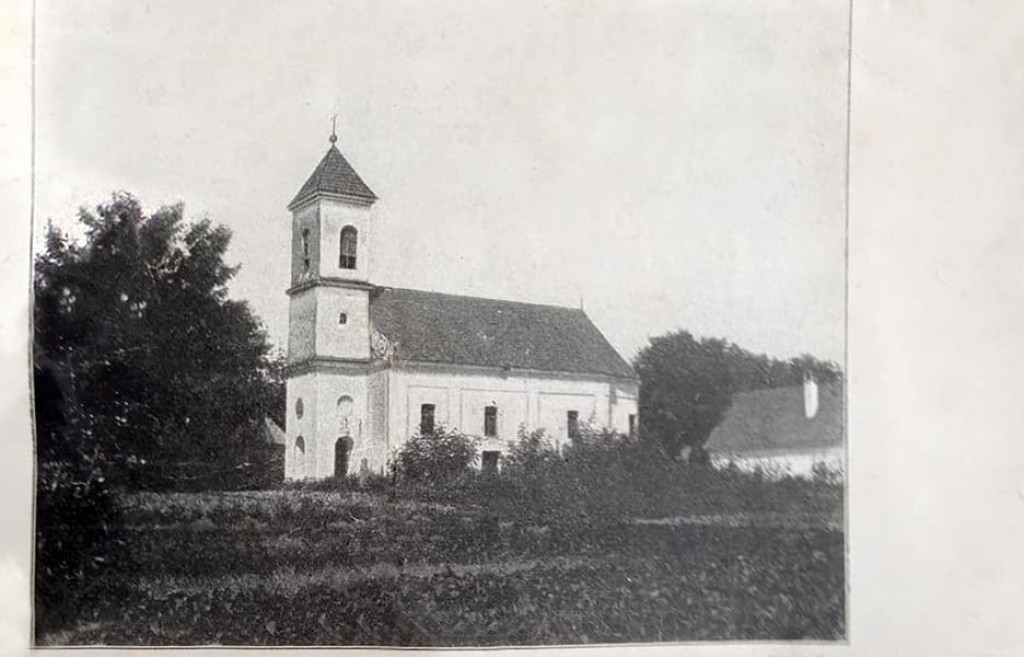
<point x="672" y="164"/>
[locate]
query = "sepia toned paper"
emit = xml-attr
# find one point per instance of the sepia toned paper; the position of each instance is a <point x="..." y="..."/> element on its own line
<point x="934" y="467"/>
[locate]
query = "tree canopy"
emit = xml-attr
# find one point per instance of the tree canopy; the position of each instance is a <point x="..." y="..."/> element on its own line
<point x="687" y="384"/>
<point x="136" y="334"/>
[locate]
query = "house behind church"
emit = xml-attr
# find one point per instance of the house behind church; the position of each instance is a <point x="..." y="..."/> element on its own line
<point x="795" y="430"/>
<point x="369" y="365"/>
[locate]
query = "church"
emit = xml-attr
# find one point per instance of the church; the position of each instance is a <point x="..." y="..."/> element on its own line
<point x="369" y="366"/>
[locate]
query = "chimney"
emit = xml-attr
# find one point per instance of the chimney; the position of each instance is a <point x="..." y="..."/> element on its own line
<point x="810" y="396"/>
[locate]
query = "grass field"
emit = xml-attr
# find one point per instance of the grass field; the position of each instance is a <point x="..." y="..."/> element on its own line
<point x="305" y="567"/>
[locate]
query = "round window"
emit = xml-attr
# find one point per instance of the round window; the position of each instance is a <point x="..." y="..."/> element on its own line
<point x="298" y="407"/>
<point x="345" y="406"/>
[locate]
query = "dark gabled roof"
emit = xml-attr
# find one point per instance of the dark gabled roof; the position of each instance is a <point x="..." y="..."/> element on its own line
<point x="774" y="420"/>
<point x="444" y="328"/>
<point x="334" y="175"/>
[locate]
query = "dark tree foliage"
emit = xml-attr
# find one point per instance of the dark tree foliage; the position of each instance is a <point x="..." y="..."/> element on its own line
<point x="687" y="385"/>
<point x="80" y="542"/>
<point x="165" y="367"/>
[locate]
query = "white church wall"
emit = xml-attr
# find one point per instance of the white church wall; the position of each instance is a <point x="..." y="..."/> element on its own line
<point x="431" y="392"/>
<point x="460" y="395"/>
<point x="307" y="218"/>
<point x="335" y="215"/>
<point x="513" y="411"/>
<point x="623" y="403"/>
<point x="301" y="325"/>
<point x="377" y="409"/>
<point x="338" y="419"/>
<point x="348" y="340"/>
<point x="300" y="463"/>
<point x="554" y="407"/>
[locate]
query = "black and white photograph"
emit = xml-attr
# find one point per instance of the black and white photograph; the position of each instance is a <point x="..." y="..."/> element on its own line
<point x="443" y="324"/>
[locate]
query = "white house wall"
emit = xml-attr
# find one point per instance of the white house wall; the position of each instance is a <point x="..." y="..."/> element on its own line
<point x="796" y="463"/>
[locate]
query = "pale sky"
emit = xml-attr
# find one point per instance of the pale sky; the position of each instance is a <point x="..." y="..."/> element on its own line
<point x="675" y="165"/>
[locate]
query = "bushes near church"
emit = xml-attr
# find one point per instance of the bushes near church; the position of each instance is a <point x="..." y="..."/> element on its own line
<point x="441" y="455"/>
<point x="599" y="476"/>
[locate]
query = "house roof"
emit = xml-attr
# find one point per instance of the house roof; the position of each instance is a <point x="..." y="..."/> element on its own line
<point x="334" y="175"/>
<point x="774" y="420"/>
<point x="460" y="330"/>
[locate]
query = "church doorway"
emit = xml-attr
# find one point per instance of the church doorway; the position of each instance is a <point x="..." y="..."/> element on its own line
<point x="342" y="452"/>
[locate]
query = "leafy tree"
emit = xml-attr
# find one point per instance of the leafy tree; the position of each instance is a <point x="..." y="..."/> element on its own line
<point x="685" y="388"/>
<point x="165" y="367"/>
<point x="822" y="371"/>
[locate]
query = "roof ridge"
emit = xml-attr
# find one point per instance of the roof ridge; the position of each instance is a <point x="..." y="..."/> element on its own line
<point x="831" y="386"/>
<point x="479" y="298"/>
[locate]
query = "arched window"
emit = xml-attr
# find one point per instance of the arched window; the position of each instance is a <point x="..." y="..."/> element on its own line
<point x="305" y="250"/>
<point x="300" y="458"/>
<point x="349" y="237"/>
<point x="344" y="415"/>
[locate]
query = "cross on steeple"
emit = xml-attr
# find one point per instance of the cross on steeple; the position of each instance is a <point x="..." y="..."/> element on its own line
<point x="334" y="128"/>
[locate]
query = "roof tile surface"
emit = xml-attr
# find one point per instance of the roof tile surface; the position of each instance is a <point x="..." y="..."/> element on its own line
<point x="444" y="328"/>
<point x="773" y="419"/>
<point x="334" y="175"/>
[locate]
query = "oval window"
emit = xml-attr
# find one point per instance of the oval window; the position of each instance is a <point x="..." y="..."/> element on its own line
<point x="344" y="406"/>
<point x="299" y="408"/>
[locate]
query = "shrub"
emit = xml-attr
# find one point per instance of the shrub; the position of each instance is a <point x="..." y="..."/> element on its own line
<point x="79" y="541"/>
<point x="529" y="453"/>
<point x="442" y="455"/>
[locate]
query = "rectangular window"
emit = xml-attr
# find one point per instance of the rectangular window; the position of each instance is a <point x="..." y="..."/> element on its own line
<point x="490" y="421"/>
<point x="426" y="419"/>
<point x="632" y="426"/>
<point x="573" y="423"/>
<point x="489" y="462"/>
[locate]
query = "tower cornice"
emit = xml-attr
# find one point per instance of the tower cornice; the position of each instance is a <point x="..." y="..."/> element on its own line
<point x="328" y="281"/>
<point x="331" y="364"/>
<point x="357" y="201"/>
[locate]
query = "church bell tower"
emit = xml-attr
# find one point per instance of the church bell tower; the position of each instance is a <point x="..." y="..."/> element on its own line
<point x="329" y="323"/>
